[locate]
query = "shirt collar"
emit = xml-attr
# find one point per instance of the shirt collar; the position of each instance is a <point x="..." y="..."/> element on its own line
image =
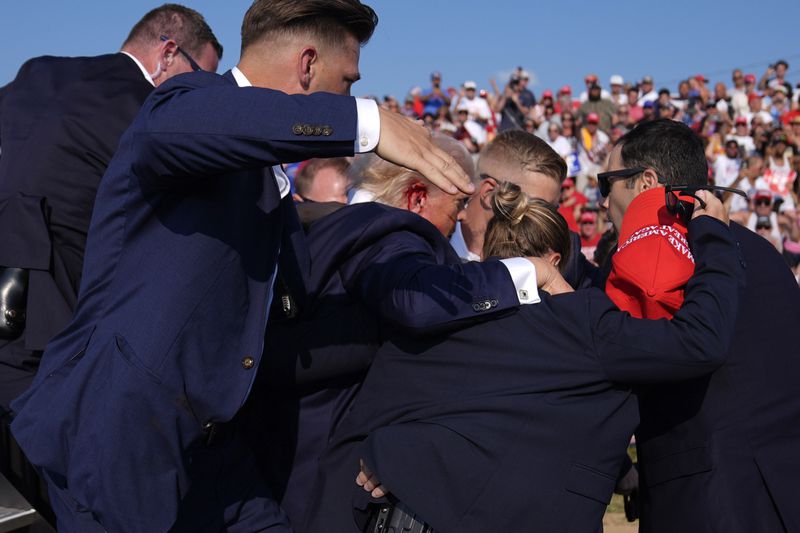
<point x="241" y="79"/>
<point x="141" y="67"/>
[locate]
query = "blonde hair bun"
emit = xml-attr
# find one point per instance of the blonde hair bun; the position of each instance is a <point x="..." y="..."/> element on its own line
<point x="510" y="203"/>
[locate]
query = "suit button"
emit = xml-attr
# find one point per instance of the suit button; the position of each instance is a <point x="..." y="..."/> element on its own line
<point x="307" y="129"/>
<point x="297" y="129"/>
<point x="317" y="131"/>
<point x="248" y="363"/>
<point x="493" y="303"/>
<point x="476" y="307"/>
<point x="327" y="131"/>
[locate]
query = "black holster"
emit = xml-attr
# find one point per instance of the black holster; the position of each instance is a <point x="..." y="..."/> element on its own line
<point x="395" y="518"/>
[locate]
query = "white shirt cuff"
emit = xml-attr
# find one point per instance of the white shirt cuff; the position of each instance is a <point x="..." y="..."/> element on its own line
<point x="369" y="125"/>
<point x="523" y="273"/>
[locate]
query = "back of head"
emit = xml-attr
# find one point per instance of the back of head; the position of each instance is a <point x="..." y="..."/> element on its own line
<point x="522" y="226"/>
<point x="670" y="148"/>
<point x="185" y="26"/>
<point x="304" y="180"/>
<point x="330" y="21"/>
<point x="513" y="153"/>
<point x="388" y="182"/>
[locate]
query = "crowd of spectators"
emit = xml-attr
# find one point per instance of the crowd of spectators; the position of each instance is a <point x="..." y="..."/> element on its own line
<point x="751" y="127"/>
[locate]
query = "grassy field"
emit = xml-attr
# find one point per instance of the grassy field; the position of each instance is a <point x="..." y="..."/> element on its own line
<point x="614" y="521"/>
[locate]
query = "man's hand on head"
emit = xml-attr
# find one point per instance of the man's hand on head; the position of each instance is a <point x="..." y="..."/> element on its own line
<point x="405" y="143"/>
<point x="714" y="207"/>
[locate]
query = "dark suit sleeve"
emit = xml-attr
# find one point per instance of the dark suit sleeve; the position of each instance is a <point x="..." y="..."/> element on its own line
<point x="400" y="279"/>
<point x="696" y="340"/>
<point x="202" y="125"/>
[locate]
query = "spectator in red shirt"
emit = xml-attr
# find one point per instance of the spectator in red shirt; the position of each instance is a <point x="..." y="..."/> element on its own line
<point x="571" y="203"/>
<point x="589" y="233"/>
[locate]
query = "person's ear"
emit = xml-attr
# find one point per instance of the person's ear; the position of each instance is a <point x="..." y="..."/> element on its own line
<point x="648" y="180"/>
<point x="297" y="198"/>
<point x="554" y="258"/>
<point x="167" y="52"/>
<point x="416" y="197"/>
<point x="305" y="66"/>
<point x="487" y="186"/>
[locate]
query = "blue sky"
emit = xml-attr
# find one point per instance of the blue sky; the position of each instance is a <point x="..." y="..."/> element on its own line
<point x="558" y="42"/>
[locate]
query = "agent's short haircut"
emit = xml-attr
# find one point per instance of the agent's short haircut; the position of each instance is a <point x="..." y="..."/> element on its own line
<point x="185" y="26"/>
<point x="523" y="150"/>
<point x="524" y="226"/>
<point x="670" y="148"/>
<point x="331" y="21"/>
<point x="305" y="178"/>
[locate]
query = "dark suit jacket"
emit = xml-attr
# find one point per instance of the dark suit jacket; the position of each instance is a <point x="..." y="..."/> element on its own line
<point x="521" y="423"/>
<point x="60" y="122"/>
<point x="720" y="453"/>
<point x="170" y="324"/>
<point x="374" y="269"/>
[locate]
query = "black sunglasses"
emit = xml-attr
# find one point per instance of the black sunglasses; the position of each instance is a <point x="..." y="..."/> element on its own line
<point x="192" y="63"/>
<point x="604" y="179"/>
<point x="675" y="206"/>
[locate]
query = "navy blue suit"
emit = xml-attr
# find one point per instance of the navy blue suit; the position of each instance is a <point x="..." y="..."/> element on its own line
<point x="375" y="270"/>
<point x="170" y="324"/>
<point x="720" y="453"/>
<point x="60" y="122"/>
<point x="521" y="423"/>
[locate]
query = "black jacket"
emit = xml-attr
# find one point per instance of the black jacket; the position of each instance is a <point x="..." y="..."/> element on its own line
<point x="60" y="122"/>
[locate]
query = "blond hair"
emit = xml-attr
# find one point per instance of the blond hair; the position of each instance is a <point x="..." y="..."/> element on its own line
<point x="524" y="226"/>
<point x="388" y="182"/>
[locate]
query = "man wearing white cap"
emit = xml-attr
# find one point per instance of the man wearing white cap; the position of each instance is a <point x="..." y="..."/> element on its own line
<point x="478" y="109"/>
<point x="618" y="95"/>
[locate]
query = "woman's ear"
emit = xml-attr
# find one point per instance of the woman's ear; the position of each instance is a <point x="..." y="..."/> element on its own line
<point x="554" y="258"/>
<point x="486" y="187"/>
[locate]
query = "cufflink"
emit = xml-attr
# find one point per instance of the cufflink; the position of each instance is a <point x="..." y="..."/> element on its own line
<point x="523" y="295"/>
<point x="364" y="140"/>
